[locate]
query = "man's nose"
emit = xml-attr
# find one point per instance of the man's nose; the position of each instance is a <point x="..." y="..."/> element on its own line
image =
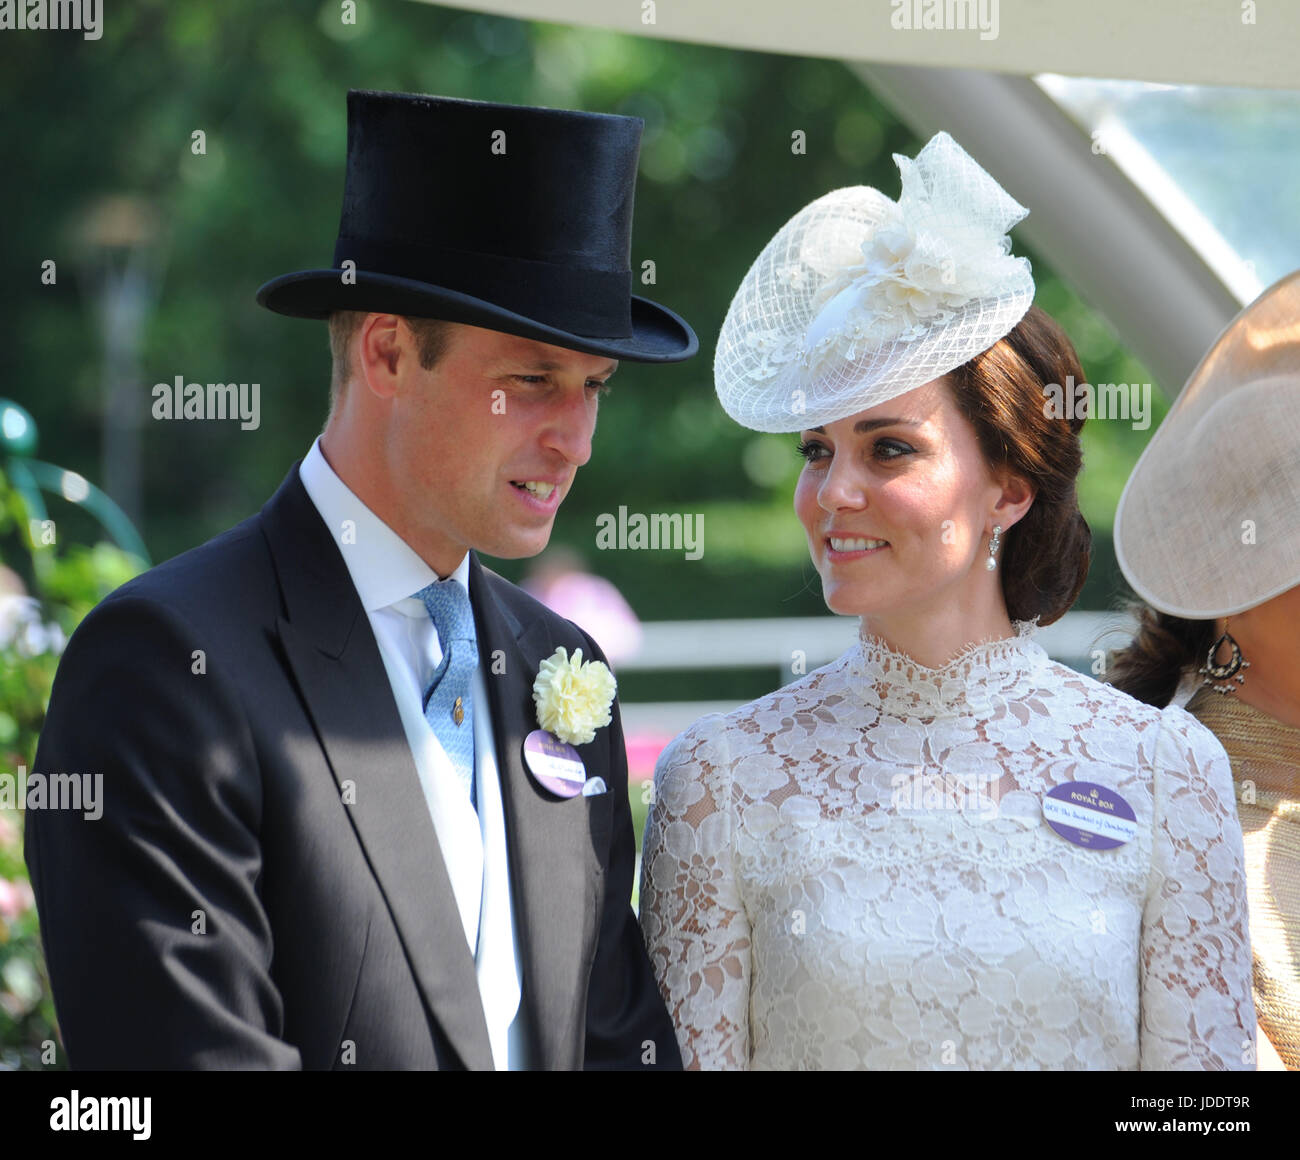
<point x="571" y="424"/>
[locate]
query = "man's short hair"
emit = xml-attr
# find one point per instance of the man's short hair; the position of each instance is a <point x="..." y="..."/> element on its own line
<point x="431" y="335"/>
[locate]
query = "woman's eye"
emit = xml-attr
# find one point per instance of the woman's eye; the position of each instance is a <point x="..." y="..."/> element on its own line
<point x="892" y="449"/>
<point x="884" y="449"/>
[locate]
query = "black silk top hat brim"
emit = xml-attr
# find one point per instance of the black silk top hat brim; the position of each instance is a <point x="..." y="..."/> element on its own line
<point x="507" y="217"/>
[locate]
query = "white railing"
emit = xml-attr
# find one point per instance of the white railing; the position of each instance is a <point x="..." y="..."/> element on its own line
<point x="776" y="644"/>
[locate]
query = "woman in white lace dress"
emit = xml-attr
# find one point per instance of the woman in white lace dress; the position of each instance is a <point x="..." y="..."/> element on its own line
<point x="902" y="860"/>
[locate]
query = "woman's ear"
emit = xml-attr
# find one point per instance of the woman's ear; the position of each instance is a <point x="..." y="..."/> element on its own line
<point x="1016" y="499"/>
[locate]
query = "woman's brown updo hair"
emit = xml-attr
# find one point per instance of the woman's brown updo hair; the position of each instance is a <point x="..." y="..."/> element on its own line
<point x="1165" y="649"/>
<point x="1003" y="393"/>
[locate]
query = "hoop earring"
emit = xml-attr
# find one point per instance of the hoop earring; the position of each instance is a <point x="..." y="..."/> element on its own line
<point x="1228" y="673"/>
<point x="994" y="542"/>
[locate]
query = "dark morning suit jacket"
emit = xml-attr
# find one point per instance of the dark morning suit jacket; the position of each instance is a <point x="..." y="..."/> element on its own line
<point x="231" y="910"/>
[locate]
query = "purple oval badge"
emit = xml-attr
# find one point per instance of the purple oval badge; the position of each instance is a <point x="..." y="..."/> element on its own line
<point x="554" y="764"/>
<point x="1089" y="815"/>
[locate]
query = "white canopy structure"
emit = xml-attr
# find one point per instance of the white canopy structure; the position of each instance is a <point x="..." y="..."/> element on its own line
<point x="1200" y="42"/>
<point x="1131" y="236"/>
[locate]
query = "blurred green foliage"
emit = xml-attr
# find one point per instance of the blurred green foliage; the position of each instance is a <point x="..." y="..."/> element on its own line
<point x="65" y="582"/>
<point x="91" y="122"/>
<point x="267" y="84"/>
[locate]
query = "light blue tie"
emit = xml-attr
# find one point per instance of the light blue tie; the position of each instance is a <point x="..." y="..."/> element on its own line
<point x="449" y="699"/>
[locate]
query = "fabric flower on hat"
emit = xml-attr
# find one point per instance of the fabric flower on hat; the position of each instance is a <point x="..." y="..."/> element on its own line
<point x="859" y="299"/>
<point x="942" y="245"/>
<point x="905" y="281"/>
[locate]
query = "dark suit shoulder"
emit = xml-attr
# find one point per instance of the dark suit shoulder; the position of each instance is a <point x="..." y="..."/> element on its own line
<point x="230" y="571"/>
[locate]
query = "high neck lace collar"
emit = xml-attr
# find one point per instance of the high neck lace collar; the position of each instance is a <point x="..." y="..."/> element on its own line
<point x="968" y="685"/>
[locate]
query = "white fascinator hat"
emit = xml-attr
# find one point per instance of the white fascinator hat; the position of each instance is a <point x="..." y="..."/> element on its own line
<point x="1209" y="522"/>
<point x="859" y="299"/>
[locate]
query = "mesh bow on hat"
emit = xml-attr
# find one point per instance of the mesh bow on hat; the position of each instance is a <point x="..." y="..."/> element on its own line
<point x="1207" y="525"/>
<point x="859" y="299"/>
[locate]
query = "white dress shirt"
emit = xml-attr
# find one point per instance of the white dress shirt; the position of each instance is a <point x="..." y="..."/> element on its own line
<point x="387" y="573"/>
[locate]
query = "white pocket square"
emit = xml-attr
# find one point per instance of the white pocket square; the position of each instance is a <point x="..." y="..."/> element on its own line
<point x="593" y="786"/>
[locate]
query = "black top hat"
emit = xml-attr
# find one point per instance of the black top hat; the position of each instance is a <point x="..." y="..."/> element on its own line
<point x="503" y="216"/>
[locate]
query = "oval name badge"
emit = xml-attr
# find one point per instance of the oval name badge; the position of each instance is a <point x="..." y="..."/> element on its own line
<point x="555" y="764"/>
<point x="1089" y="815"/>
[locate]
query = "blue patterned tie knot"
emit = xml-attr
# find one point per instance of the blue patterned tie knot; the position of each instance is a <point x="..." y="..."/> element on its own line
<point x="449" y="699"/>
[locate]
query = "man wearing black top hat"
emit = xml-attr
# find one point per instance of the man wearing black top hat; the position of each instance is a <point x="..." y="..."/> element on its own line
<point x="334" y="833"/>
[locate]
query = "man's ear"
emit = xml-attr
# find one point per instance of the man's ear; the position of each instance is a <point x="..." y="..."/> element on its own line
<point x="382" y="344"/>
<point x="1017" y="498"/>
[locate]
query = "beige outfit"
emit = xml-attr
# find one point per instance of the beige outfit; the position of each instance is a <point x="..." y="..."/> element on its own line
<point x="1265" y="756"/>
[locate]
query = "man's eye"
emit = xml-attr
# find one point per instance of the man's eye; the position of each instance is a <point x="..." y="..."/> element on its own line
<point x="530" y="378"/>
<point x="602" y="388"/>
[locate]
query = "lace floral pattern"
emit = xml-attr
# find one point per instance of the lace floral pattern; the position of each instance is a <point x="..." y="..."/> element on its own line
<point x="854" y="872"/>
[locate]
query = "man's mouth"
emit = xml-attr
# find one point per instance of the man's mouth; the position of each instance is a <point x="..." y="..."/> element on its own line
<point x="534" y="487"/>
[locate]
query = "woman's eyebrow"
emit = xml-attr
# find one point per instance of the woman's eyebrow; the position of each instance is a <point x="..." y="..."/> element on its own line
<point x="862" y="426"/>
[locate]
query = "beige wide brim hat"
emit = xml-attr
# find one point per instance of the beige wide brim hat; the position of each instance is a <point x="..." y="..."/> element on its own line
<point x="1209" y="522"/>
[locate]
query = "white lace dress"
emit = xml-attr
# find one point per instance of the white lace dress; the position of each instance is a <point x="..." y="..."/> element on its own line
<point x="855" y="872"/>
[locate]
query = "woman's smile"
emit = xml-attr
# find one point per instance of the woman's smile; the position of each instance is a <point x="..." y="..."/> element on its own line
<point x="843" y="547"/>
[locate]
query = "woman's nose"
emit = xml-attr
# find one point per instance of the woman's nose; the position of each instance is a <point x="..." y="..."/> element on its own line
<point x="843" y="487"/>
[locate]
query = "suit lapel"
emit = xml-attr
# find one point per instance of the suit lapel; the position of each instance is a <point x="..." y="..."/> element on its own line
<point x="550" y="880"/>
<point x="332" y="653"/>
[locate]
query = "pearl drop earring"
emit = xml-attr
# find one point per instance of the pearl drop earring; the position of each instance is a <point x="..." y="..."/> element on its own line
<point x="994" y="541"/>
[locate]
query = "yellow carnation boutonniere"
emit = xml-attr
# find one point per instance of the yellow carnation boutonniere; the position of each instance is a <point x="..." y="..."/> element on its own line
<point x="573" y="696"/>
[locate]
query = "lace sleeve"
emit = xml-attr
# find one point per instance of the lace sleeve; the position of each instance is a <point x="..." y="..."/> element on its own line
<point x="692" y="916"/>
<point x="1197" y="1011"/>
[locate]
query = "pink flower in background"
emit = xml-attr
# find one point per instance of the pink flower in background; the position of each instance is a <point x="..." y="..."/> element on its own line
<point x="559" y="580"/>
<point x="643" y="750"/>
<point x="15" y="898"/>
<point x="20" y="619"/>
